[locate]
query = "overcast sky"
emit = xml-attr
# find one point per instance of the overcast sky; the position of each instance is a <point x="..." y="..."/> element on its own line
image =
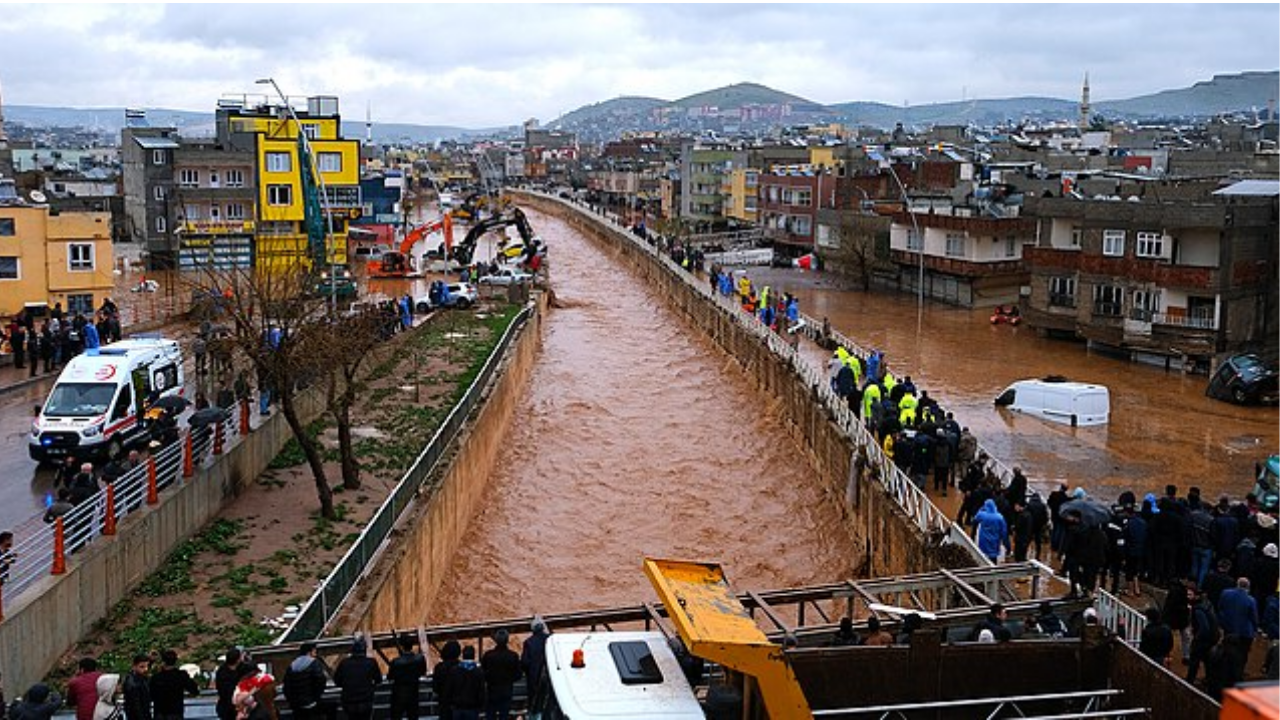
<point x="490" y="65"/>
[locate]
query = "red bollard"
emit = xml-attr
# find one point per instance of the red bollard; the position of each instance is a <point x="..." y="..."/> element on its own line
<point x="59" y="548"/>
<point x="244" y="416"/>
<point x="153" y="491"/>
<point x="217" y="438"/>
<point x="109" y="522"/>
<point x="188" y="456"/>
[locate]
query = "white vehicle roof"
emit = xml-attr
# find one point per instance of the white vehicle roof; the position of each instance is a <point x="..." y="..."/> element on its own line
<point x="597" y="690"/>
<point x="113" y="362"/>
<point x="1063" y="387"/>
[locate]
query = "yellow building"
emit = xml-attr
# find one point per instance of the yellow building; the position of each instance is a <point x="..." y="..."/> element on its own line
<point x="741" y="197"/>
<point x="44" y="258"/>
<point x="281" y="238"/>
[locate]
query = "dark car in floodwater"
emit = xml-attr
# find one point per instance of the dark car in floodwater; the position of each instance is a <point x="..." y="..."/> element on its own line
<point x="1244" y="379"/>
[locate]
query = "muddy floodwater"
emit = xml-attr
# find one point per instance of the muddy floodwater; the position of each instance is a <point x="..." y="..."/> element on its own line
<point x="1163" y="429"/>
<point x="636" y="437"/>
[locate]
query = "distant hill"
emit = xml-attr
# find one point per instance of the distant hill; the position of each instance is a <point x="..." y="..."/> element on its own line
<point x="1224" y="93"/>
<point x="619" y="107"/>
<point x="109" y="121"/>
<point x="735" y="96"/>
<point x="978" y="112"/>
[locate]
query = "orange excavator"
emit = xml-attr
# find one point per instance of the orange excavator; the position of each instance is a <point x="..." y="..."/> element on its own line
<point x="399" y="264"/>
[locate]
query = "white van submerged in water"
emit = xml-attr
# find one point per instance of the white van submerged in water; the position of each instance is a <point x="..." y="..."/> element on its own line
<point x="95" y="408"/>
<point x="1058" y="400"/>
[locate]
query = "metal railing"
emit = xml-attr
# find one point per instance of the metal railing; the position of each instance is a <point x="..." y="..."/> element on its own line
<point x="37" y="553"/>
<point x="328" y="598"/>
<point x="911" y="498"/>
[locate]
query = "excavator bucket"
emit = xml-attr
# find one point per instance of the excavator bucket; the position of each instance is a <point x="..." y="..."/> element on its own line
<point x="715" y="626"/>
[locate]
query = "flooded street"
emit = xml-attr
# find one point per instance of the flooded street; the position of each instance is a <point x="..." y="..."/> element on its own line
<point x="1163" y="429"/>
<point x="636" y="437"/>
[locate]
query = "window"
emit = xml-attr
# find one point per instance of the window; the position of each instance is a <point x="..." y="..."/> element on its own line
<point x="1077" y="237"/>
<point x="1150" y="245"/>
<point x="161" y="224"/>
<point x="234" y="178"/>
<point x="914" y="240"/>
<point x="1011" y="247"/>
<point x="279" y="162"/>
<point x="803" y="225"/>
<point x="80" y="304"/>
<point x="188" y="178"/>
<point x="157" y="157"/>
<point x="1108" y="300"/>
<point x="311" y="130"/>
<point x="1145" y="304"/>
<point x="279" y="195"/>
<point x="192" y="212"/>
<point x="159" y="193"/>
<point x="1113" y="243"/>
<point x="1062" y="292"/>
<point x="235" y="211"/>
<point x="215" y="214"/>
<point x="9" y="268"/>
<point x="8" y="227"/>
<point x="955" y="244"/>
<point x="123" y="403"/>
<point x="803" y="198"/>
<point x="329" y="162"/>
<point x="80" y="256"/>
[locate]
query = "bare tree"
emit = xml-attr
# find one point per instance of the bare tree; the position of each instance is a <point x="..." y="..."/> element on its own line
<point x="274" y="323"/>
<point x="347" y="342"/>
<point x="859" y="237"/>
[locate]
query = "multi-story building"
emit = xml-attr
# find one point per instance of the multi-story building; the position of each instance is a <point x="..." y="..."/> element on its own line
<point x="147" y="157"/>
<point x="48" y="258"/>
<point x="1182" y="280"/>
<point x="742" y="195"/>
<point x="215" y="198"/>
<point x="704" y="173"/>
<point x="962" y="259"/>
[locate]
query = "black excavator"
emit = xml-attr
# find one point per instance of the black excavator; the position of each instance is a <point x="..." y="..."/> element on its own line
<point x="465" y="250"/>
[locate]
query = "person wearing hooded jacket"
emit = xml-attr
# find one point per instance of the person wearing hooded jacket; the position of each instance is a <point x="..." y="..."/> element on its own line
<point x="993" y="531"/>
<point x="106" y="708"/>
<point x="449" y="658"/>
<point x="40" y="703"/>
<point x="357" y="675"/>
<point x="533" y="658"/>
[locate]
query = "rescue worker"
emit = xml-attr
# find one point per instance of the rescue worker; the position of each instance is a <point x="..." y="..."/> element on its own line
<point x="870" y="399"/>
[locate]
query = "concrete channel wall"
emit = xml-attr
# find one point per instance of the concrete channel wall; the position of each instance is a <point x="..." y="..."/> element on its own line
<point x="405" y="577"/>
<point x="887" y="541"/>
<point x="52" y="615"/>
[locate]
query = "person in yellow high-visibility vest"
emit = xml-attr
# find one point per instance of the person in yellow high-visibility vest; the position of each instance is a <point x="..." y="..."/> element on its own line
<point x="907" y="416"/>
<point x="889" y="380"/>
<point x="856" y="366"/>
<point x="870" y="397"/>
<point x="888" y="446"/>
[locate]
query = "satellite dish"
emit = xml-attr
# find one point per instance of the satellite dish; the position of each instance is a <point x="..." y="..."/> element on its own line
<point x="37" y="197"/>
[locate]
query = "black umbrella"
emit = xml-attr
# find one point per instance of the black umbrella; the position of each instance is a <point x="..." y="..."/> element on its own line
<point x="172" y="403"/>
<point x="1092" y="513"/>
<point x="207" y="416"/>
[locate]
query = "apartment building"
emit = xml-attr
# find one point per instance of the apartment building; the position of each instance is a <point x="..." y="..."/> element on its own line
<point x="48" y="258"/>
<point x="1176" y="280"/>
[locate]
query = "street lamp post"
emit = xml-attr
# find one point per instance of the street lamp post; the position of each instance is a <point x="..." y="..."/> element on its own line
<point x="324" y="192"/>
<point x="920" y="237"/>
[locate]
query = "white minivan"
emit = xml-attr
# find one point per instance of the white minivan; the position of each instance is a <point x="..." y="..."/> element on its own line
<point x="94" y="409"/>
<point x="1055" y="399"/>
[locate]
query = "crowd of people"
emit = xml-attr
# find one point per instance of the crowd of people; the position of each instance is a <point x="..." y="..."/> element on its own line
<point x="57" y="338"/>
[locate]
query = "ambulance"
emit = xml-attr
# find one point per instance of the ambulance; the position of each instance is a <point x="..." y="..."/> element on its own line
<point x="95" y="408"/>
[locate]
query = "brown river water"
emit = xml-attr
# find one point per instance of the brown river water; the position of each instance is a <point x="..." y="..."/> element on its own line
<point x="637" y="436"/>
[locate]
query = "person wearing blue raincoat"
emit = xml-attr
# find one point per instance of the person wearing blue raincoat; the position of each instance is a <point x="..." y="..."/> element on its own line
<point x="993" y="531"/>
<point x="91" y="340"/>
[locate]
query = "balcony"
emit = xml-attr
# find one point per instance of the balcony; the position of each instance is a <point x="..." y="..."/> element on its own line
<point x="1142" y="270"/>
<point x="1194" y="321"/>
<point x="1108" y="309"/>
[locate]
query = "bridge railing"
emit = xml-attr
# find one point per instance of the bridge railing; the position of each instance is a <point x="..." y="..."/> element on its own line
<point x="325" y="602"/>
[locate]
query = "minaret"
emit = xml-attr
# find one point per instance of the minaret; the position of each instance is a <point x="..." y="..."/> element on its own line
<point x="368" y="122"/>
<point x="1084" y="104"/>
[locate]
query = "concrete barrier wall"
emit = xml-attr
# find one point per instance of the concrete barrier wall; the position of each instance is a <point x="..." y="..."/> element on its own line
<point x="405" y="578"/>
<point x="55" y="613"/>
<point x="886" y="541"/>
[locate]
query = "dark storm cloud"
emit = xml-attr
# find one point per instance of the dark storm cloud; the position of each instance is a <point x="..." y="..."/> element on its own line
<point x="483" y="65"/>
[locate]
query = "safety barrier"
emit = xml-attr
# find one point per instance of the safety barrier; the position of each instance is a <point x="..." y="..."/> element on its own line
<point x="41" y="548"/>
<point x="911" y="498"/>
<point x="329" y="597"/>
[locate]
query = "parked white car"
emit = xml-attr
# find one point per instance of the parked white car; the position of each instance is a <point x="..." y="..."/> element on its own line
<point x="506" y="276"/>
<point x="461" y="295"/>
